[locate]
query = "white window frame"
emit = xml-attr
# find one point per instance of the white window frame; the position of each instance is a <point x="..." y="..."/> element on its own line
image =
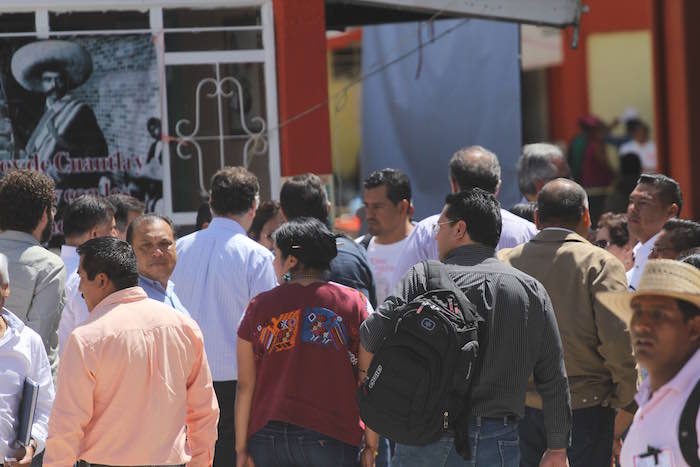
<point x="266" y="56"/>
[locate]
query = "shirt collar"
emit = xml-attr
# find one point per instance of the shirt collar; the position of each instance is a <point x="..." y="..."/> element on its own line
<point x="128" y="295"/>
<point x="557" y="229"/>
<point x="469" y="255"/>
<point x="224" y="223"/>
<point x="14" y="324"/>
<point x="18" y="236"/>
<point x="69" y="252"/>
<point x="156" y="284"/>
<point x="679" y="383"/>
<point x="645" y="248"/>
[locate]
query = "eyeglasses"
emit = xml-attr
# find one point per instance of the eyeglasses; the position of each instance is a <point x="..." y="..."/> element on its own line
<point x="602" y="243"/>
<point x="437" y="225"/>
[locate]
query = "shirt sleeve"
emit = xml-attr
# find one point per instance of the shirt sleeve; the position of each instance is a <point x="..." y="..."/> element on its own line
<point x="202" y="407"/>
<point x="551" y="382"/>
<point x="41" y="374"/>
<point x="244" y="327"/>
<point x="262" y="276"/>
<point x="614" y="340"/>
<point x="68" y="317"/>
<point x="45" y="310"/>
<point x="378" y="325"/>
<point x="420" y="246"/>
<point x="73" y="406"/>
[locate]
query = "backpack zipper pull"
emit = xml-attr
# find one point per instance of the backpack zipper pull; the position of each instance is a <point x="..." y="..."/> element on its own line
<point x="445" y="418"/>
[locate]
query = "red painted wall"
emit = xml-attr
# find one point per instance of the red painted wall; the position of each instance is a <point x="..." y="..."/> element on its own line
<point x="302" y="83"/>
<point x="568" y="83"/>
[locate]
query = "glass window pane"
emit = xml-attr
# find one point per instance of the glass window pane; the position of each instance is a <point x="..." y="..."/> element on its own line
<point x="17" y="22"/>
<point x="193" y="18"/>
<point x="213" y="135"/>
<point x="212" y="40"/>
<point x="98" y="21"/>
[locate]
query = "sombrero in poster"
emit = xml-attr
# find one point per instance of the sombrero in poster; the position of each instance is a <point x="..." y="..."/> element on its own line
<point x="32" y="60"/>
<point x="662" y="278"/>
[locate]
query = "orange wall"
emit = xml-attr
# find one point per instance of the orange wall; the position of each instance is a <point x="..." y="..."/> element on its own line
<point x="568" y="84"/>
<point x="302" y="83"/>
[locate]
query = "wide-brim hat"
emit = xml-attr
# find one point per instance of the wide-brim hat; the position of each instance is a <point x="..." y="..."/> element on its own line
<point x="29" y="62"/>
<point x="661" y="278"/>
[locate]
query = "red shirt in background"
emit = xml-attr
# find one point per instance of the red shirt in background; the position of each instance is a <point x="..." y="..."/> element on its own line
<point x="306" y="341"/>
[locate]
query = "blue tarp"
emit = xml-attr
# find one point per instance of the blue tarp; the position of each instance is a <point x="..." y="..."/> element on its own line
<point x="467" y="92"/>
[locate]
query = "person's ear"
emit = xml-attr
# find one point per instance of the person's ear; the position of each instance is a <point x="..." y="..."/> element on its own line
<point x="498" y="189"/>
<point x="454" y="186"/>
<point x="672" y="210"/>
<point x="5" y="291"/>
<point x="536" y="218"/>
<point x="694" y="329"/>
<point x="461" y="229"/>
<point x="404" y="207"/>
<point x="284" y="216"/>
<point x="586" y="219"/>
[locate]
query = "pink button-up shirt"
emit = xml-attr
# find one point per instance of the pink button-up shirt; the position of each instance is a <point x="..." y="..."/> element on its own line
<point x="134" y="388"/>
<point x="656" y="421"/>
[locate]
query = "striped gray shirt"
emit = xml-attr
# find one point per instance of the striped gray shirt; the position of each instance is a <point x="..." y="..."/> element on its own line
<point x="523" y="338"/>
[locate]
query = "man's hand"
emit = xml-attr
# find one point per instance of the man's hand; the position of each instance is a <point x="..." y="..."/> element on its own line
<point x="368" y="456"/>
<point x="243" y="459"/>
<point x="23" y="456"/>
<point x="623" y="420"/>
<point x="554" y="458"/>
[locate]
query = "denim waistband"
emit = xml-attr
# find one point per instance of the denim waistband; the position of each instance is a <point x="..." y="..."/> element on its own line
<point x="505" y="420"/>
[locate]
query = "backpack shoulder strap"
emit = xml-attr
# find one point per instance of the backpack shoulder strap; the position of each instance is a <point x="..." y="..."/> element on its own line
<point x="365" y="241"/>
<point x="687" y="434"/>
<point x="437" y="278"/>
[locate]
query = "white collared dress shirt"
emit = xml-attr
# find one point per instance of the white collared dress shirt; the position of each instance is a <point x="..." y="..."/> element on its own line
<point x="219" y="270"/>
<point x="71" y="258"/>
<point x="641" y="255"/>
<point x="22" y="355"/>
<point x="74" y="313"/>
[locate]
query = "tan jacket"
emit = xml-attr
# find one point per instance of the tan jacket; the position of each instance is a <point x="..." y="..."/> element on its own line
<point x="597" y="348"/>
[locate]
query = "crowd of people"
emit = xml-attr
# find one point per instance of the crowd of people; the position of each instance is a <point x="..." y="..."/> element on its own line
<point x="251" y="341"/>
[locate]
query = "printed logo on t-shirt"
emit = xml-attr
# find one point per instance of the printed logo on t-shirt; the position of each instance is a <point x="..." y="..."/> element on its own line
<point x="322" y="326"/>
<point x="280" y="332"/>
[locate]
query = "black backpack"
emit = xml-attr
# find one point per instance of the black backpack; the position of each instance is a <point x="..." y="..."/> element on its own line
<point x="687" y="434"/>
<point x="419" y="382"/>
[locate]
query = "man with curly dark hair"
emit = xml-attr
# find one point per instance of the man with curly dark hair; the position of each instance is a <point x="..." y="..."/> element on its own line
<point x="38" y="276"/>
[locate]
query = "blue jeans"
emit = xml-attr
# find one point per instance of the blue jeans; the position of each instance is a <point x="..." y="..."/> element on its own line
<point x="494" y="443"/>
<point x="283" y="445"/>
<point x="592" y="431"/>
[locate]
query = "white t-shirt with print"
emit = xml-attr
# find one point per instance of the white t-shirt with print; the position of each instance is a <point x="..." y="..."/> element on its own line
<point x="383" y="260"/>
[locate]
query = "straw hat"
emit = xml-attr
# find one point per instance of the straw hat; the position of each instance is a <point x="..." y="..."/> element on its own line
<point x="661" y="277"/>
<point x="32" y="60"/>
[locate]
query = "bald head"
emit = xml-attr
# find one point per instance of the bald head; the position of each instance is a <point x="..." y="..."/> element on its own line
<point x="475" y="167"/>
<point x="563" y="203"/>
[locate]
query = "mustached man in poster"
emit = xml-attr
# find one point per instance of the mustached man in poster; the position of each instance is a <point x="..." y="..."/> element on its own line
<point x="83" y="110"/>
<point x="54" y="68"/>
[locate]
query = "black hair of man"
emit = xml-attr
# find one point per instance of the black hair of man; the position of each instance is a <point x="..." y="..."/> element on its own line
<point x="233" y="191"/>
<point x="24" y="197"/>
<point x="111" y="256"/>
<point x="683" y="234"/>
<point x="123" y="206"/>
<point x="203" y="216"/>
<point x="524" y="210"/>
<point x="85" y="213"/>
<point x="480" y="210"/>
<point x="397" y="183"/>
<point x="693" y="260"/>
<point x="688" y="310"/>
<point x="475" y="167"/>
<point x="264" y="213"/>
<point x="561" y="203"/>
<point x="309" y="240"/>
<point x="669" y="189"/>
<point x="147" y="218"/>
<point x="304" y="196"/>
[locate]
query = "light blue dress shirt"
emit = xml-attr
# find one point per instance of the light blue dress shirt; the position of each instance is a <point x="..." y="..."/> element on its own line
<point x="421" y="244"/>
<point x="155" y="290"/>
<point x="219" y="270"/>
